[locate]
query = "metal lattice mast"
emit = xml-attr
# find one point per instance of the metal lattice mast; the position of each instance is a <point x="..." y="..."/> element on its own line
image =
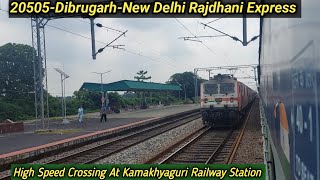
<point x="40" y="70"/>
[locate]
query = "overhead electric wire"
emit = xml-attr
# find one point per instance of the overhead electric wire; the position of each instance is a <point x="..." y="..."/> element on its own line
<point x="169" y="59"/>
<point x="101" y="26"/>
<point x="101" y="49"/>
<point x="79" y="35"/>
<point x="225" y="57"/>
<point x="76" y="34"/>
<point x="139" y="54"/>
<point x="207" y="46"/>
<point x="195" y="36"/>
<point x="147" y="57"/>
<point x="216" y="20"/>
<point x="82" y="36"/>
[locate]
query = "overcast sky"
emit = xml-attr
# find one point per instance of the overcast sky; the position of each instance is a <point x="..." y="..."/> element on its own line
<point x="156" y="40"/>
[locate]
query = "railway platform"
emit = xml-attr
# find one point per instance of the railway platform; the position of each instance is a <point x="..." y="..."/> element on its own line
<point x="65" y="134"/>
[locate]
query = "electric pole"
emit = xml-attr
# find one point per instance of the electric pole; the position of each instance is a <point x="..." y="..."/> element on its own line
<point x="64" y="76"/>
<point x="103" y="99"/>
<point x="93" y="39"/>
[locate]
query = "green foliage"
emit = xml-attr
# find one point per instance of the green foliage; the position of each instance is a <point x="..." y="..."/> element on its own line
<point x="16" y="82"/>
<point x="88" y="99"/>
<point x="16" y="70"/>
<point x="115" y="100"/>
<point x="186" y="82"/>
<point x="17" y="86"/>
<point x="141" y="76"/>
<point x="13" y="111"/>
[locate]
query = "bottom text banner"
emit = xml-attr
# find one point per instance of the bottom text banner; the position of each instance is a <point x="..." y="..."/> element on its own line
<point x="138" y="171"/>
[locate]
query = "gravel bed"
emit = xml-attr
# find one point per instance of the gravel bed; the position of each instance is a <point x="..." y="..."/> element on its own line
<point x="250" y="150"/>
<point x="4" y="174"/>
<point x="141" y="152"/>
<point x="45" y="160"/>
<point x="82" y="148"/>
<point x="168" y="139"/>
<point x="176" y="148"/>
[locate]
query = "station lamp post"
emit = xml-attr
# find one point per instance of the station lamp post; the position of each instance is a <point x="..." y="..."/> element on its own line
<point x="102" y="91"/>
<point x="64" y="76"/>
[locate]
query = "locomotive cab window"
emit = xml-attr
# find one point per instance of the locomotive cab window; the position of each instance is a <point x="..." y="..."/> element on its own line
<point x="226" y="88"/>
<point x="210" y="89"/>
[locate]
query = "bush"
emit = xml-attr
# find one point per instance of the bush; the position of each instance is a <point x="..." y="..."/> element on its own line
<point x="13" y="111"/>
<point x="115" y="100"/>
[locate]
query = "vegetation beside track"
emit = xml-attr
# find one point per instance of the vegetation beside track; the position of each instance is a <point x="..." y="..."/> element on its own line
<point x="17" y="89"/>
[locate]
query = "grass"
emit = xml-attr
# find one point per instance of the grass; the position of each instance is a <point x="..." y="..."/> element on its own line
<point x="56" y="131"/>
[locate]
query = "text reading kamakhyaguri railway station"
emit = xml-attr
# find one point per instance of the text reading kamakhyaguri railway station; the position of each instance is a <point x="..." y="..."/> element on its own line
<point x="127" y="172"/>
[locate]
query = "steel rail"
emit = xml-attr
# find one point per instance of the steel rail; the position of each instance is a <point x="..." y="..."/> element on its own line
<point x="75" y="155"/>
<point x="236" y="144"/>
<point x="111" y="135"/>
<point x="179" y="117"/>
<point x="219" y="148"/>
<point x="219" y="151"/>
<point x="178" y="151"/>
<point x="169" y="149"/>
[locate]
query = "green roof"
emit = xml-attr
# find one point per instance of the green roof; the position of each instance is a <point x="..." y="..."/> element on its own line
<point x="128" y="85"/>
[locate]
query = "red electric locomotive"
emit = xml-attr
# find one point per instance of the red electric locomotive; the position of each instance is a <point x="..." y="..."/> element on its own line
<point x="223" y="100"/>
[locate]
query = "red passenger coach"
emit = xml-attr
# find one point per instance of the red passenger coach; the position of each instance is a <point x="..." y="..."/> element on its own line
<point x="224" y="100"/>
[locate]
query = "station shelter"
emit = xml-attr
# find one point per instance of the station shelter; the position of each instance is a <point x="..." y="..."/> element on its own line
<point x="129" y="85"/>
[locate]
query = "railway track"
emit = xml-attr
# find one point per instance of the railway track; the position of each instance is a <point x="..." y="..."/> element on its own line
<point x="206" y="146"/>
<point x="209" y="146"/>
<point x="103" y="150"/>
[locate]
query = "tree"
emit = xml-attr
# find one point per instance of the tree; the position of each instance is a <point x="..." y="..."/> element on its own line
<point x="16" y="70"/>
<point x="88" y="99"/>
<point x="16" y="81"/>
<point x="186" y="80"/>
<point x="115" y="100"/>
<point x="141" y="76"/>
